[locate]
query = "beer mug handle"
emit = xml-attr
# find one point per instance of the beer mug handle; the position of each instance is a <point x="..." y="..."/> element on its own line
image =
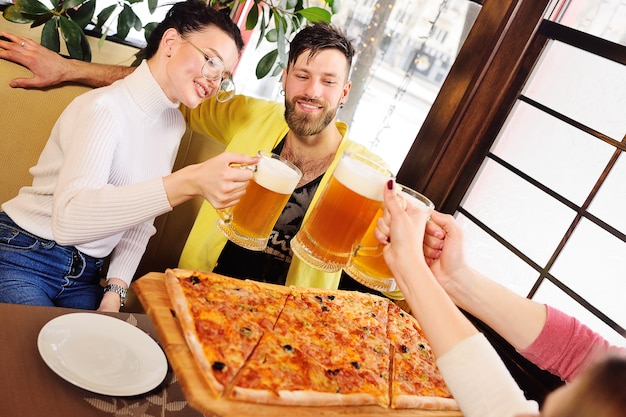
<point x="252" y="167"/>
<point x="363" y="251"/>
<point x="225" y="214"/>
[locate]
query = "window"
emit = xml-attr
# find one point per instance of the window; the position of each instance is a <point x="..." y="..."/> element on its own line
<point x="403" y="57"/>
<point x="545" y="212"/>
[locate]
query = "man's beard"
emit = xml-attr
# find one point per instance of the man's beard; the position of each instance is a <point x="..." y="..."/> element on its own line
<point x="307" y="124"/>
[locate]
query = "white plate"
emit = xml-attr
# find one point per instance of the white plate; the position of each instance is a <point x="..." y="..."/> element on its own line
<point x="102" y="354"/>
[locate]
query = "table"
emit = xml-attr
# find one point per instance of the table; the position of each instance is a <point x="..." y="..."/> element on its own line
<point x="30" y="389"/>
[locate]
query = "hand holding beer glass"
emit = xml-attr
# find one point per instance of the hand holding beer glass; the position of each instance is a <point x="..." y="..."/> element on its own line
<point x="250" y="222"/>
<point x="367" y="264"/>
<point x="342" y="214"/>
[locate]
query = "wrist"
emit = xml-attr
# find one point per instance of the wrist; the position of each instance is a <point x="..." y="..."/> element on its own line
<point x="465" y="288"/>
<point x="116" y="287"/>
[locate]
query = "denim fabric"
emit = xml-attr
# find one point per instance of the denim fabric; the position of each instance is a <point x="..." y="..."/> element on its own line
<point x="36" y="271"/>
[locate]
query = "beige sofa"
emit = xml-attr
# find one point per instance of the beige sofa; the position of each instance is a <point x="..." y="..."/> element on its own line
<point x="27" y="116"/>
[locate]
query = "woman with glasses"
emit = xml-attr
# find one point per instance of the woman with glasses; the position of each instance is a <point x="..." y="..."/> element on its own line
<point x="105" y="172"/>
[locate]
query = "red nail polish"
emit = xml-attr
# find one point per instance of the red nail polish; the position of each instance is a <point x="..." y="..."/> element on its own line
<point x="390" y="184"/>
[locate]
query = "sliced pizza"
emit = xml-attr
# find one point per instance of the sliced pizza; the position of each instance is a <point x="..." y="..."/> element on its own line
<point x="415" y="379"/>
<point x="270" y="344"/>
<point x="222" y="320"/>
<point x="346" y="333"/>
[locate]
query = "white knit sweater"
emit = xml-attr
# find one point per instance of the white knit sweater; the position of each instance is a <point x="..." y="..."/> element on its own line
<point x="98" y="182"/>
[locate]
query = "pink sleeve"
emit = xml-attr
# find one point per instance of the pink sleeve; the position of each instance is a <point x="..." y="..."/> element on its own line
<point x="565" y="346"/>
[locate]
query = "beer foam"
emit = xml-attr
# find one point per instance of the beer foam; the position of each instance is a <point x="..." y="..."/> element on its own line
<point x="361" y="178"/>
<point x="276" y="176"/>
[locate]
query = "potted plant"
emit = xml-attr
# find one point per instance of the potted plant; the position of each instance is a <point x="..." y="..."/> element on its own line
<point x="72" y="20"/>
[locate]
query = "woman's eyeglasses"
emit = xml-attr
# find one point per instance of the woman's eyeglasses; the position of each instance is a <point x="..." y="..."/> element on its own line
<point x="215" y="70"/>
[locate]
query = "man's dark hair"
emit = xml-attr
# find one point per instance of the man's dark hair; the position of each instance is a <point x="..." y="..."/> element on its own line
<point x="192" y="16"/>
<point x="317" y="37"/>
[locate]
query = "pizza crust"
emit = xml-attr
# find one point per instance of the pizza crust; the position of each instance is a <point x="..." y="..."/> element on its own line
<point x="424" y="403"/>
<point x="187" y="324"/>
<point x="301" y="398"/>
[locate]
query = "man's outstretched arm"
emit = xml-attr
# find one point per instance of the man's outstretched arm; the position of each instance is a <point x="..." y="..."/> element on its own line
<point x="50" y="68"/>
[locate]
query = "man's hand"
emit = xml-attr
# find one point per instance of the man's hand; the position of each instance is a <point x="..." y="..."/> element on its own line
<point x="48" y="67"/>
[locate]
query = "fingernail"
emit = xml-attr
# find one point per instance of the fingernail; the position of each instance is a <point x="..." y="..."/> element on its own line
<point x="390" y="184"/>
<point x="388" y="239"/>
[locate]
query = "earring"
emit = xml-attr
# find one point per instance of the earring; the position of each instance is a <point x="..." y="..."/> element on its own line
<point x="282" y="92"/>
<point x="341" y="105"/>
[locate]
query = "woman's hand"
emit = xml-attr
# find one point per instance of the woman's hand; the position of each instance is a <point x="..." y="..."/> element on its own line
<point x="401" y="230"/>
<point x="221" y="180"/>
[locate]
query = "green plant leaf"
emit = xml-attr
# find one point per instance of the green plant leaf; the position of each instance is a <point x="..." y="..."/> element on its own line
<point x="262" y="27"/>
<point x="281" y="41"/>
<point x="277" y="70"/>
<point x="291" y="4"/>
<point x="272" y="35"/>
<point x="266" y="63"/>
<point x="83" y="15"/>
<point x="70" y="4"/>
<point x="125" y="21"/>
<point x="152" y="5"/>
<point x="315" y="14"/>
<point x="50" y="35"/>
<point x="101" y="40"/>
<point x="148" y="28"/>
<point x="41" y="20"/>
<point x="84" y="44"/>
<point x="12" y="14"/>
<point x="138" y="25"/>
<point x="253" y="17"/>
<point x="32" y="7"/>
<point x="335" y="6"/>
<point x="103" y="16"/>
<point x="72" y="35"/>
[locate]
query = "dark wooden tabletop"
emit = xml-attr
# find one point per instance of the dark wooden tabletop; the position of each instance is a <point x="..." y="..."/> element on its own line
<point x="29" y="388"/>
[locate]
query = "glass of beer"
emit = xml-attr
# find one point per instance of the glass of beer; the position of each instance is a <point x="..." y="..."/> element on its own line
<point x="250" y="222"/>
<point x="342" y="214"/>
<point x="367" y="264"/>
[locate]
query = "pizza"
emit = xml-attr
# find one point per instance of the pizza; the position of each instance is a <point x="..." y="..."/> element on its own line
<point x="270" y="344"/>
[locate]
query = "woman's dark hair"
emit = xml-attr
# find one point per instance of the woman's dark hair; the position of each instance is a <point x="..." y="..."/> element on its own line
<point x="191" y="16"/>
<point x="317" y="37"/>
<point x="601" y="391"/>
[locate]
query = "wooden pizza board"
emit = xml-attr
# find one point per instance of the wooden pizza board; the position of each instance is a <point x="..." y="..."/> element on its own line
<point x="153" y="296"/>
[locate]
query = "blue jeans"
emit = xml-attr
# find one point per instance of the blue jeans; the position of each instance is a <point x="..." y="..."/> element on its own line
<point x="37" y="271"/>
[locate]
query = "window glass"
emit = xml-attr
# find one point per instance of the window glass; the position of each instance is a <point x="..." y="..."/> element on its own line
<point x="582" y="86"/>
<point x="592" y="265"/>
<point x="591" y="91"/>
<point x="528" y="218"/>
<point x="608" y="204"/>
<point x="605" y="19"/>
<point x="493" y="260"/>
<point x="400" y="78"/>
<point x="564" y="158"/>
